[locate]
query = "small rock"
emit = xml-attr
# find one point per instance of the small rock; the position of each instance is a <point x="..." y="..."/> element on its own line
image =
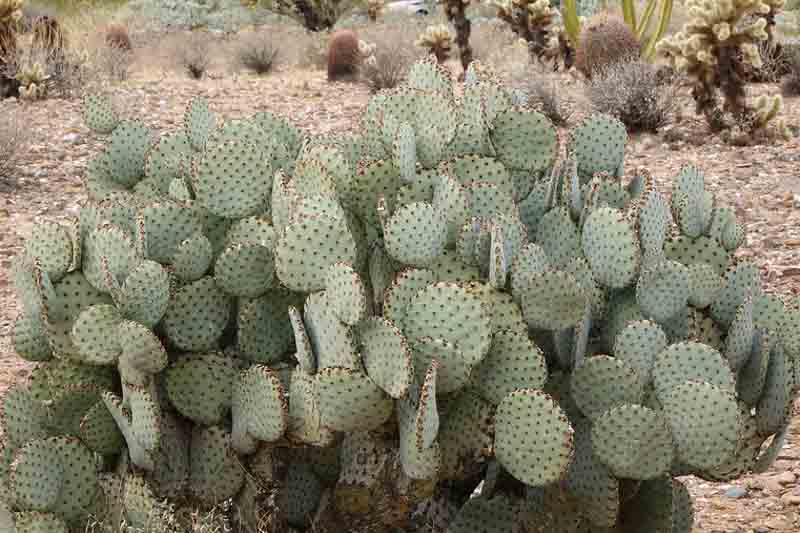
<point x="71" y="138"/>
<point x="791" y="499"/>
<point x="736" y="493"/>
<point x="786" y="478"/>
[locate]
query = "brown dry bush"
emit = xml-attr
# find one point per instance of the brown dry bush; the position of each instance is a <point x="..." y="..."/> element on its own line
<point x="117" y="36"/>
<point x="258" y="52"/>
<point x="13" y="139"/>
<point x="393" y="55"/>
<point x="193" y="55"/>
<point x="791" y="82"/>
<point x="636" y="93"/>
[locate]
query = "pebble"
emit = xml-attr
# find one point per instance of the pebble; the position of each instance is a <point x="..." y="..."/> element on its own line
<point x="786" y="478"/>
<point x="791" y="499"/>
<point x="736" y="493"/>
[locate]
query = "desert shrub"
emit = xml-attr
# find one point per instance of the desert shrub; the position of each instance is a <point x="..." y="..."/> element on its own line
<point x="32" y="11"/>
<point x="387" y="66"/>
<point x="791" y="82"/>
<point x="635" y="92"/>
<point x="258" y="52"/>
<point x="343" y="55"/>
<point x="543" y="95"/>
<point x="12" y="141"/>
<point x="117" y="36"/>
<point x="490" y="40"/>
<point x="194" y="54"/>
<point x="603" y="42"/>
<point x="112" y="62"/>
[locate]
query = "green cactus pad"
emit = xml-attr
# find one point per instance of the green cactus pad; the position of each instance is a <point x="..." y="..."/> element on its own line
<point x="535" y="458"/>
<point x="303" y="354"/>
<point x="404" y="152"/>
<point x="167" y="225"/>
<point x="471" y="168"/>
<point x="400" y="293"/>
<point x="346" y="292"/>
<point x="595" y="490"/>
<point x="142" y="509"/>
<point x="488" y="200"/>
<point x="332" y="340"/>
<point x="638" y="344"/>
<point x="691" y="361"/>
<point x="604" y="382"/>
<point x="260" y="407"/>
<point x="51" y="246"/>
<point x="24" y="417"/>
<point x="215" y="375"/>
<point x="145" y="293"/>
<point x="199" y="122"/>
<point x="741" y="280"/>
<point x="513" y="362"/>
<point x="633" y="441"/>
<point x="299" y="496"/>
<point x="192" y="257"/>
<point x="312" y="178"/>
<point x="280" y="128"/>
<point x="474" y="241"/>
<point x="531" y="259"/>
<point x="386" y="356"/>
<point x="108" y="244"/>
<point x="452" y="312"/>
<point x="701" y="250"/>
<point x="197" y="315"/>
<point x="524" y="140"/>
<point x="264" y="330"/>
<point x="558" y="236"/>
<point x="663" y="290"/>
<point x="304" y="424"/>
<point x="774" y="409"/>
<point x="660" y="505"/>
<point x="453" y="369"/>
<point x="487" y="515"/>
<point x="371" y="180"/>
<point x="451" y="198"/>
<point x="37" y="475"/>
<point x="550" y="300"/>
<point x="428" y="75"/>
<point x="416" y="234"/>
<point x="350" y="401"/>
<point x="245" y="270"/>
<point x="704" y="421"/>
<point x="168" y="160"/>
<point x="435" y="127"/>
<point x="611" y="246"/>
<point x="67" y="407"/>
<point x="91" y="338"/>
<point x="739" y="342"/>
<point x="418" y="463"/>
<point x="426" y="422"/>
<point x="124" y="155"/>
<point x="308" y="248"/>
<point x="141" y="349"/>
<point x="233" y="179"/>
<point x="705" y="284"/>
<point x="465" y="435"/>
<point x="99" y="114"/>
<point x="99" y="431"/>
<point x="599" y="145"/>
<point x="216" y="473"/>
<point x="35" y="522"/>
<point x="753" y="375"/>
<point x="29" y="338"/>
<point x="7" y="522"/>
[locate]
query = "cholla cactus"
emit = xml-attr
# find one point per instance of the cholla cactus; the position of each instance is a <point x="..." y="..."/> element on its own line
<point x="714" y="49"/>
<point x="438" y="40"/>
<point x="456" y="12"/>
<point x="374" y="9"/>
<point x="366" y="52"/>
<point x="533" y="21"/>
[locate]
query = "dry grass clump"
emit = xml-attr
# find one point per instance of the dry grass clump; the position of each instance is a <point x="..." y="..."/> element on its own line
<point x="636" y="93"/>
<point x="394" y="52"/>
<point x="194" y="55"/>
<point x="258" y="52"/>
<point x="13" y="139"/>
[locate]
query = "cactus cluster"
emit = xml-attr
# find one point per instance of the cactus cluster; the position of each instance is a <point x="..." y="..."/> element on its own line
<point x="437" y="40"/>
<point x="434" y="320"/>
<point x="535" y="21"/>
<point x="715" y="49"/>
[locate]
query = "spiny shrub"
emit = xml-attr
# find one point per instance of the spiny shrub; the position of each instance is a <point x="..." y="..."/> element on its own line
<point x="544" y="97"/>
<point x="343" y="55"/>
<point x="603" y="42"/>
<point x="195" y="55"/>
<point x="258" y="53"/>
<point x="387" y="67"/>
<point x="363" y="328"/>
<point x="636" y="93"/>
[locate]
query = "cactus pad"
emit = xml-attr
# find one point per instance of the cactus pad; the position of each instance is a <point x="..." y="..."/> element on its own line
<point x="638" y="344"/>
<point x="192" y="257"/>
<point x="513" y="362"/>
<point x="535" y="458"/>
<point x="611" y="246"/>
<point x="259" y="404"/>
<point x="332" y="340"/>
<point x="551" y="300"/>
<point x="145" y="293"/>
<point x="350" y="401"/>
<point x="691" y="361"/>
<point x="216" y="474"/>
<point x="50" y="244"/>
<point x="453" y="369"/>
<point x="347" y="294"/>
<point x="524" y="140"/>
<point x="99" y="114"/>
<point x="604" y="382"/>
<point x="197" y="315"/>
<point x="213" y="374"/>
<point x="245" y="270"/>
<point x="416" y="234"/>
<point x="599" y="145"/>
<point x="386" y="356"/>
<point x="663" y="290"/>
<point x="37" y="475"/>
<point x="199" y="122"/>
<point x="633" y="441"/>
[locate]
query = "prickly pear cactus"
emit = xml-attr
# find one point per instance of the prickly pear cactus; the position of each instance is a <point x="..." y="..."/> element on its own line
<point x="374" y="326"/>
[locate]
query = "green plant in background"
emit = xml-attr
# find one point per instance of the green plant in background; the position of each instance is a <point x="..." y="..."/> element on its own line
<point x="359" y="331"/>
<point x="715" y="49"/>
<point x="571" y="12"/>
<point x="314" y="15"/>
<point x="535" y="21"/>
<point x="436" y="40"/>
